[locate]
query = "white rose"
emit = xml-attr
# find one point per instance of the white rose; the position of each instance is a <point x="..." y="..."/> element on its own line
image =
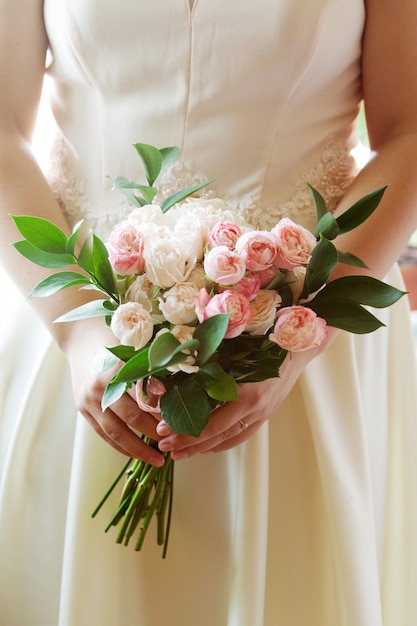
<point x="167" y="262"/>
<point x="212" y="210"/>
<point x="183" y="334"/>
<point x="132" y="325"/>
<point x="178" y="303"/>
<point x="295" y="279"/>
<point x="198" y="277"/>
<point x="144" y="292"/>
<point x="140" y="291"/>
<point x="265" y="306"/>
<point x="192" y="232"/>
<point x="148" y="214"/>
<point x="155" y="231"/>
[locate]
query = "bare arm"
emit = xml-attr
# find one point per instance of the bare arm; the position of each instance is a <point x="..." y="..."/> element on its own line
<point x="390" y="92"/>
<point x="390" y="95"/>
<point x="24" y="190"/>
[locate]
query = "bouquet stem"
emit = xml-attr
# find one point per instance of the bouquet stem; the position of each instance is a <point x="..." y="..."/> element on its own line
<point x="147" y="492"/>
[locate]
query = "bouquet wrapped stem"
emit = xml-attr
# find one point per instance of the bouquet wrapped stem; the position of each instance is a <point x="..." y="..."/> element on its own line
<point x="199" y="303"/>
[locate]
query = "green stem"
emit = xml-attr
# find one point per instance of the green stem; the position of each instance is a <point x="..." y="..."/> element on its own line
<point x="142" y="485"/>
<point x="171" y="500"/>
<point x="127" y="493"/>
<point x="145" y="525"/>
<point x="107" y="494"/>
<point x="139" y="512"/>
<point x="163" y="499"/>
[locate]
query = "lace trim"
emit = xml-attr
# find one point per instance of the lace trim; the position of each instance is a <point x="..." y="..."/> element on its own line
<point x="70" y="191"/>
<point x="331" y="176"/>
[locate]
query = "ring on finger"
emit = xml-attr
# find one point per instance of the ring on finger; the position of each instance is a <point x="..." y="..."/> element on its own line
<point x="243" y="425"/>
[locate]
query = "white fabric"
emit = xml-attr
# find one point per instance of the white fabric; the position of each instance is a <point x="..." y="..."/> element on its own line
<point x="313" y="520"/>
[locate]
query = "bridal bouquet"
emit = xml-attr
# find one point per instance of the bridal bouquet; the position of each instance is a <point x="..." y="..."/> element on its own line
<point x="200" y="302"/>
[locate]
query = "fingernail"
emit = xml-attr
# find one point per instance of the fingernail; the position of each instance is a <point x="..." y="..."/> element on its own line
<point x="165" y="446"/>
<point x="179" y="455"/>
<point x="163" y="429"/>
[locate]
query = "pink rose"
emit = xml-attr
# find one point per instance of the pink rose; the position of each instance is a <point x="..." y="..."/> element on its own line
<point x="249" y="286"/>
<point x="267" y="276"/>
<point x="125" y="247"/>
<point x="224" y="233"/>
<point x="294" y="243"/>
<point x="201" y="301"/>
<point x="132" y="325"/>
<point x="258" y="249"/>
<point x="224" y="266"/>
<point x="229" y="301"/>
<point x="298" y="328"/>
<point x="149" y="394"/>
<point x="264" y="307"/>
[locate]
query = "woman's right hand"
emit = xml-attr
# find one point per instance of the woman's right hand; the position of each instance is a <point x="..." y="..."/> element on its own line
<point x="119" y="424"/>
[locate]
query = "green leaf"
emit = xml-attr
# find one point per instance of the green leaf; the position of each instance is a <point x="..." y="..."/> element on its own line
<point x="124" y="353"/>
<point x="346" y="314"/>
<point x="122" y="183"/>
<point x="54" y="283"/>
<point x="360" y="211"/>
<point x="242" y="344"/>
<point x="216" y="382"/>
<point x="319" y="203"/>
<point x="134" y="369"/>
<point x="104" y="360"/>
<point x="95" y="308"/>
<point x="166" y="347"/>
<point x="73" y="239"/>
<point x="103" y="271"/>
<point x="186" y="408"/>
<point x="361" y="289"/>
<point x="327" y="226"/>
<point x="351" y="259"/>
<point x="323" y="260"/>
<point x="151" y="160"/>
<point x="44" y="259"/>
<point x="148" y="193"/>
<point x="112" y="393"/>
<point x="257" y="371"/>
<point x="181" y="195"/>
<point x="169" y="155"/>
<point x="133" y="199"/>
<point x="210" y="335"/>
<point x="86" y="258"/>
<point x="41" y="233"/>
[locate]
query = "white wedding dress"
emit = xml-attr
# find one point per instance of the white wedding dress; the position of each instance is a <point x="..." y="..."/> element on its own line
<point x="313" y="521"/>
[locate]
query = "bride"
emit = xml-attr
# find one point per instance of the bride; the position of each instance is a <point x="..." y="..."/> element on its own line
<point x="308" y="515"/>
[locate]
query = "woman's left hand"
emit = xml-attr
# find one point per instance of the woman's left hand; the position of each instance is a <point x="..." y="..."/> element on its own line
<point x="236" y="421"/>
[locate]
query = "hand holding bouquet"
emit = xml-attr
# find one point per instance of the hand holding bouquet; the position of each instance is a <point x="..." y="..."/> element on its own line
<point x="200" y="303"/>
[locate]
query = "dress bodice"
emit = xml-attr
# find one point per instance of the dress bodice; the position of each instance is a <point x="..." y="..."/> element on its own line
<point x="261" y="95"/>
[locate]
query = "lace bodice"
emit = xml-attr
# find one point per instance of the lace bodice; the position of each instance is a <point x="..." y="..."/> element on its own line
<point x="331" y="176"/>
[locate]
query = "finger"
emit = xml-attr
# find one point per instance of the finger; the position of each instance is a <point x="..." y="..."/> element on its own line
<point x="95" y="426"/>
<point x="128" y="411"/>
<point x="227" y="444"/>
<point x="120" y="437"/>
<point x="222" y="441"/>
<point x="220" y="421"/>
<point x="163" y="429"/>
